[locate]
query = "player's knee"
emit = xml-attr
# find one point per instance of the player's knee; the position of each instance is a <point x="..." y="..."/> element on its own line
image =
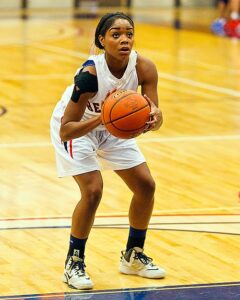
<point x="151" y="186"/>
<point x="148" y="187"/>
<point x="93" y="197"/>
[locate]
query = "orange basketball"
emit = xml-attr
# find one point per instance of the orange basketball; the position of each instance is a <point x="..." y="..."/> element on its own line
<point x="125" y="113"/>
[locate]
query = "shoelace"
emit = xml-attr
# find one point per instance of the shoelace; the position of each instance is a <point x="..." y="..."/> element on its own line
<point x="78" y="267"/>
<point x="143" y="258"/>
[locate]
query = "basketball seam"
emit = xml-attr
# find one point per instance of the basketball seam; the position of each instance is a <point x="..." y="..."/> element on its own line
<point x="129" y="93"/>
<point x="111" y="122"/>
<point x="123" y="96"/>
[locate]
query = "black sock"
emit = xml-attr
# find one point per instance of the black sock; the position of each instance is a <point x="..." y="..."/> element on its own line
<point x="136" y="238"/>
<point x="76" y="247"/>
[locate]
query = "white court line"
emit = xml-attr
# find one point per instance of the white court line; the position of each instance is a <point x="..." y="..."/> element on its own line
<point x="26" y="145"/>
<point x="185" y="90"/>
<point x="212" y="67"/>
<point x="140" y="140"/>
<point x="227" y="224"/>
<point x="169" y="212"/>
<point x="37" y="77"/>
<point x="201" y="85"/>
<point x="162" y="55"/>
<point x="69" y="77"/>
<point x="29" y="41"/>
<point x="63" y="51"/>
<point x="201" y="138"/>
<point x="195" y="210"/>
<point x="198" y="84"/>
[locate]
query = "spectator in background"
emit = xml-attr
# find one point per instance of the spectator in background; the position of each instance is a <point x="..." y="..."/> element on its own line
<point x="232" y="26"/>
<point x="223" y="12"/>
<point x="228" y="22"/>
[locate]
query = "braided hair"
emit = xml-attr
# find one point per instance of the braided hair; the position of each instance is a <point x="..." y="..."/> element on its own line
<point x="105" y="23"/>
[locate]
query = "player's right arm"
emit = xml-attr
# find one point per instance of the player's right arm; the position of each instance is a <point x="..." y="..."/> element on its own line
<point x="71" y="125"/>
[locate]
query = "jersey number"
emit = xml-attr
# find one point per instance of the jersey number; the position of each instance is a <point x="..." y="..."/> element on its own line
<point x="95" y="107"/>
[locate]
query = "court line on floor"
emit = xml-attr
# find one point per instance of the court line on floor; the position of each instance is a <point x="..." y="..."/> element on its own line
<point x="167" y="76"/>
<point x="221" y="224"/>
<point x="51" y="38"/>
<point x="163" y="56"/>
<point x="201" y="85"/>
<point x="162" y="213"/>
<point x="69" y="78"/>
<point x="123" y="227"/>
<point x="64" y="295"/>
<point x="163" y="75"/>
<point x="22" y="77"/>
<point x="140" y="140"/>
<point x="190" y="138"/>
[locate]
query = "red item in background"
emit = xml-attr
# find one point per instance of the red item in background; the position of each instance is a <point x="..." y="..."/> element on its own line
<point x="232" y="28"/>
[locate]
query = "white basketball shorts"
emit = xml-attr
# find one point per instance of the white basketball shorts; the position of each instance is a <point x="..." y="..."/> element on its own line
<point x="98" y="150"/>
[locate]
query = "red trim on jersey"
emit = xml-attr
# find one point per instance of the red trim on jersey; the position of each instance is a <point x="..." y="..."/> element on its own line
<point x="59" y="135"/>
<point x="70" y="148"/>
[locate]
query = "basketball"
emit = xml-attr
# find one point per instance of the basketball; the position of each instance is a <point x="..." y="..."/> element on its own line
<point x="125" y="113"/>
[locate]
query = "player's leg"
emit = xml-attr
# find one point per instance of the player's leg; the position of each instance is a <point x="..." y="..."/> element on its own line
<point x="126" y="159"/>
<point x="77" y="158"/>
<point x="234" y="7"/>
<point x="90" y="185"/>
<point x="133" y="260"/>
<point x="218" y="24"/>
<point x="223" y="9"/>
<point x="141" y="183"/>
<point x="232" y="26"/>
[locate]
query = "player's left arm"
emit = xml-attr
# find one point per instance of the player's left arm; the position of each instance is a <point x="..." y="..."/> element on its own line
<point x="148" y="79"/>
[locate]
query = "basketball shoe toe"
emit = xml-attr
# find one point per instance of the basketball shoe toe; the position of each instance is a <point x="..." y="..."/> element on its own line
<point x="135" y="262"/>
<point x="75" y="275"/>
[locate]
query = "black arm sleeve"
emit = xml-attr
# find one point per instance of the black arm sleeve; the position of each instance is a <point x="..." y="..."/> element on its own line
<point x="84" y="82"/>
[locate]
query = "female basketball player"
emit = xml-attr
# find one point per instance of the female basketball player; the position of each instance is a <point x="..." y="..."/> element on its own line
<point x="80" y="141"/>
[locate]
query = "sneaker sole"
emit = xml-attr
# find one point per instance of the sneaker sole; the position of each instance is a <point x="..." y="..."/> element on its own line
<point x="128" y="271"/>
<point x="82" y="287"/>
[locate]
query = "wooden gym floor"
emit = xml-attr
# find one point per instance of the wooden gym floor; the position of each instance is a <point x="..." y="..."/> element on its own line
<point x="194" y="158"/>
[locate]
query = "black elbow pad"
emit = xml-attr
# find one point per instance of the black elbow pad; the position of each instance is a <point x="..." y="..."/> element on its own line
<point x="84" y="82"/>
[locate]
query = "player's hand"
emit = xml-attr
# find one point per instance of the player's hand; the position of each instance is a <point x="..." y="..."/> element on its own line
<point x="155" y="117"/>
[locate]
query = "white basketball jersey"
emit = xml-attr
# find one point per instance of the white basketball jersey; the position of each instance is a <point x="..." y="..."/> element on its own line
<point x="106" y="82"/>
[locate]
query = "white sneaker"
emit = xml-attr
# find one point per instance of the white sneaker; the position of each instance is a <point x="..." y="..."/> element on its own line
<point x="75" y="275"/>
<point x="135" y="262"/>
